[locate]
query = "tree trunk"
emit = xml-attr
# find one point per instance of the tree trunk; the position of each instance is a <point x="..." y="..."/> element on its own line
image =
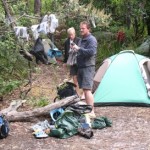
<point x="8" y="13"/>
<point x="12" y="114"/>
<point x="148" y="23"/>
<point x="37" y="7"/>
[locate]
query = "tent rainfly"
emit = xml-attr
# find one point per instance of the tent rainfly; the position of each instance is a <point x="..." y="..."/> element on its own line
<point x="123" y="79"/>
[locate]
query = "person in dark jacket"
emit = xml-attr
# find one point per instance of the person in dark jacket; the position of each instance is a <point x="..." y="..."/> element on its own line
<point x="70" y="56"/>
<point x="86" y="58"/>
<point x="38" y="52"/>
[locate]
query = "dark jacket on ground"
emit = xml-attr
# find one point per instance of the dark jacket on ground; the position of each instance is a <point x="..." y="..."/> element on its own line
<point x="87" y="52"/>
<point x="67" y="47"/>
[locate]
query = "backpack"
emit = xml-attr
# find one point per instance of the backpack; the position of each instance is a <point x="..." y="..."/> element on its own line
<point x="4" y="127"/>
<point x="65" y="90"/>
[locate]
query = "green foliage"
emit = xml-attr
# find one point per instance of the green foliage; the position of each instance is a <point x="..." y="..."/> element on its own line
<point x="83" y="2"/>
<point x="1" y="8"/>
<point x="106" y="49"/>
<point x="41" y="102"/>
<point x="46" y="6"/>
<point x="19" y="8"/>
<point x="8" y="86"/>
<point x="108" y="44"/>
<point x="26" y="22"/>
<point x="30" y="6"/>
<point x="13" y="66"/>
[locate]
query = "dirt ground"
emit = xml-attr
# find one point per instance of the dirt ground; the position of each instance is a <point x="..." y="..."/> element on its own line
<point x="130" y="129"/>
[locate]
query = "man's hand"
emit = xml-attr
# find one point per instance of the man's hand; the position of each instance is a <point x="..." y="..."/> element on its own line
<point x="75" y="47"/>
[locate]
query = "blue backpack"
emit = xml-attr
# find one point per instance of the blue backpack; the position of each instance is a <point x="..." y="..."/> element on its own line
<point x="4" y="127"/>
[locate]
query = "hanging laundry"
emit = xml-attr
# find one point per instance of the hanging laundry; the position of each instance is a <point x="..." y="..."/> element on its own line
<point x="21" y="32"/>
<point x="43" y="28"/>
<point x="35" y="31"/>
<point x="46" y="18"/>
<point x="54" y="23"/>
<point x="48" y="25"/>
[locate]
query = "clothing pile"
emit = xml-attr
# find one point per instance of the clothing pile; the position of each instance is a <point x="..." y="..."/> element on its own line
<point x="69" y="121"/>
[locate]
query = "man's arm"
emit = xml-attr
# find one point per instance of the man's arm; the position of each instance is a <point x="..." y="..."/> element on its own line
<point x="90" y="50"/>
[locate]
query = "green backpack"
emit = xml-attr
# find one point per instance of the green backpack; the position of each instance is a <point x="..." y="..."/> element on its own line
<point x="66" y="125"/>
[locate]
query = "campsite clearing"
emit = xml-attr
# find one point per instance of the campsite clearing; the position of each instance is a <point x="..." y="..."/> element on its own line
<point x="129" y="131"/>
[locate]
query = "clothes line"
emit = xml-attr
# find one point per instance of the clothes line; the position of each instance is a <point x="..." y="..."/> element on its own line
<point x="48" y="24"/>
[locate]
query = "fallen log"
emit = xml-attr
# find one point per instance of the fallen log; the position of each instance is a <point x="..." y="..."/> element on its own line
<point x="12" y="114"/>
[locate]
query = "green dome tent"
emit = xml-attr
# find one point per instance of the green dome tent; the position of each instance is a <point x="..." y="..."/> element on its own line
<point x="123" y="79"/>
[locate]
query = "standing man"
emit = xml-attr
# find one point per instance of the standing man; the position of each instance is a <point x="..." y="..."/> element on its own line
<point x="86" y="59"/>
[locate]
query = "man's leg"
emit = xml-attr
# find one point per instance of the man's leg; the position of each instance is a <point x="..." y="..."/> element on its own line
<point x="82" y="96"/>
<point x="89" y="98"/>
<point x="76" y="83"/>
<point x="85" y="80"/>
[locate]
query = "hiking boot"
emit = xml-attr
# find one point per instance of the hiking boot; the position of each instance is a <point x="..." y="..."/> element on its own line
<point x="91" y="115"/>
<point x="85" y="130"/>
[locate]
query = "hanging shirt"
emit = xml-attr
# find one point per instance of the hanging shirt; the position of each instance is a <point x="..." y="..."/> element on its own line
<point x="54" y="23"/>
<point x="35" y="31"/>
<point x="51" y="22"/>
<point x="43" y="28"/>
<point x="21" y="32"/>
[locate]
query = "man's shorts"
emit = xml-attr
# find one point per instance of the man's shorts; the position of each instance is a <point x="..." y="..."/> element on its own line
<point x="85" y="77"/>
<point x="73" y="70"/>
